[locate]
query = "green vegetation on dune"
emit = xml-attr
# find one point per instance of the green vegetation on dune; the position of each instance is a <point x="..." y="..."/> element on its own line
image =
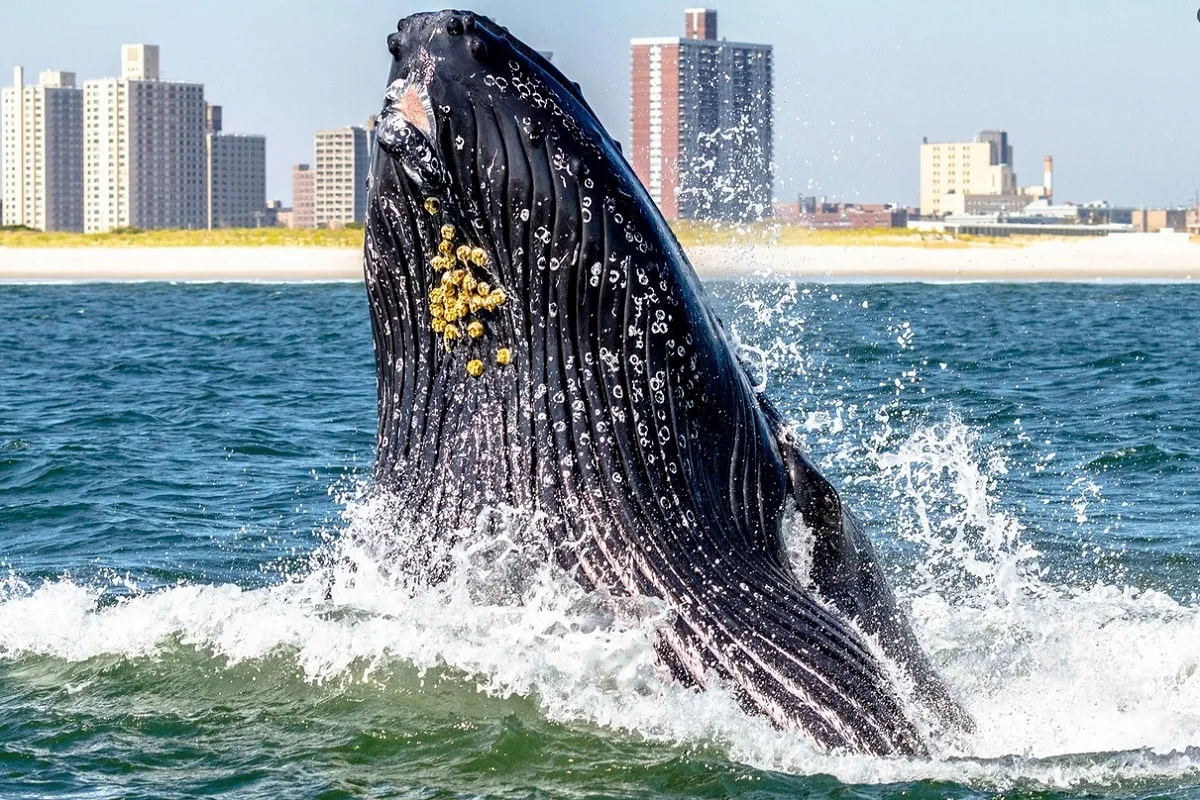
<point x="691" y="234"/>
<point x="228" y="237"/>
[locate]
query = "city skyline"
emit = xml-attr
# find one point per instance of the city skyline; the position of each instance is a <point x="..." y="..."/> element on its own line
<point x="1101" y="86"/>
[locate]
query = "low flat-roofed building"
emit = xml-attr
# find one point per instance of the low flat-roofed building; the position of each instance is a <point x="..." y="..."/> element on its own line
<point x="824" y="215"/>
<point x="1153" y="220"/>
<point x="996" y="225"/>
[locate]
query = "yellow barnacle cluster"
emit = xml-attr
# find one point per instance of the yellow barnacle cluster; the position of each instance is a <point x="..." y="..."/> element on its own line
<point x="459" y="297"/>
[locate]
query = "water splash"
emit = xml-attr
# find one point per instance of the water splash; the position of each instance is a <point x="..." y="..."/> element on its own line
<point x="1071" y="686"/>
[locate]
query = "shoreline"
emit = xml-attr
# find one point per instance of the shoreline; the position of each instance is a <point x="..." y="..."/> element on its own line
<point x="1120" y="258"/>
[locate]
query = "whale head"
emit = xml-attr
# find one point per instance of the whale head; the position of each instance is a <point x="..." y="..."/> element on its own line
<point x="499" y="209"/>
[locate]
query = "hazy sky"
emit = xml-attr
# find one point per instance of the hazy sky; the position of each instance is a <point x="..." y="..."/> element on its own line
<point x="1108" y="87"/>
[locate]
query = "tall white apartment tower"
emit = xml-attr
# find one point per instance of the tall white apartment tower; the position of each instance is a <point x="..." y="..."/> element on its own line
<point x="43" y="152"/>
<point x="340" y="176"/>
<point x="144" y="148"/>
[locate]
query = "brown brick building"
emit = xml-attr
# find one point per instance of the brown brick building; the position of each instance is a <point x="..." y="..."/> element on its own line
<point x="303" y="207"/>
<point x="1153" y="220"/>
<point x="701" y="127"/>
<point x="822" y="215"/>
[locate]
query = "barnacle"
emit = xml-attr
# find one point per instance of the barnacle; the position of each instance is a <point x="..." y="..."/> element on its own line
<point x="458" y="297"/>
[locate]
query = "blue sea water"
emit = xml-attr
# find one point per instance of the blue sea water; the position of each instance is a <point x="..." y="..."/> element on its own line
<point x="179" y="463"/>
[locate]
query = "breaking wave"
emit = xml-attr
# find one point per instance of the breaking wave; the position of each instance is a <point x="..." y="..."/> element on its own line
<point x="1092" y="685"/>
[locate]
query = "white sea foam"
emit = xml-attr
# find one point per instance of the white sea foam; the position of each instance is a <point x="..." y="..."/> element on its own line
<point x="1071" y="686"/>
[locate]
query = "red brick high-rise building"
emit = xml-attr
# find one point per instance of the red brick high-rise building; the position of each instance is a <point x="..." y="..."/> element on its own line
<point x="701" y="122"/>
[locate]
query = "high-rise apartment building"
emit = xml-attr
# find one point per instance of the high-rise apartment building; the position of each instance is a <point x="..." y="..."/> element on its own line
<point x="303" y="214"/>
<point x="43" y="152"/>
<point x="236" y="176"/>
<point x="341" y="160"/>
<point x="701" y="122"/>
<point x="961" y="169"/>
<point x="144" y="148"/>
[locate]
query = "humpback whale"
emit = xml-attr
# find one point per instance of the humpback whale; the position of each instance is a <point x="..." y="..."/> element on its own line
<point x="542" y="342"/>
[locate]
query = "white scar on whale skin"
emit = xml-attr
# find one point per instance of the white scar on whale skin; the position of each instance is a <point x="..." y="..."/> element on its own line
<point x="409" y="100"/>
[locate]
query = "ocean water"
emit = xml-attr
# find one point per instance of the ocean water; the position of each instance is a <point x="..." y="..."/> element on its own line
<point x="180" y="466"/>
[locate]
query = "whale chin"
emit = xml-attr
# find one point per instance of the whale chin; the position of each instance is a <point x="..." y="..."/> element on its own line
<point x="542" y="343"/>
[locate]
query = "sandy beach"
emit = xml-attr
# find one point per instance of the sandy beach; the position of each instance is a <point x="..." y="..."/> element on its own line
<point x="1157" y="257"/>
